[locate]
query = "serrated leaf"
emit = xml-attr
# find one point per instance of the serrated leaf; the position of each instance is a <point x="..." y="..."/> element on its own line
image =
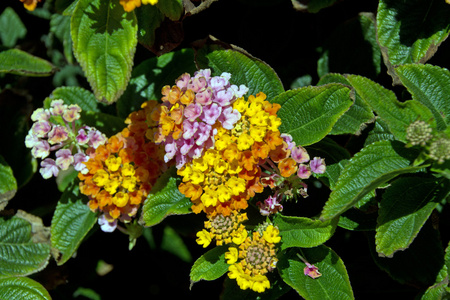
<point x="379" y="132"/>
<point x="11" y="28"/>
<point x="309" y="113"/>
<point x="19" y="62"/>
<point x="210" y="265"/>
<point x="429" y="85"/>
<point x="370" y="168"/>
<point x="150" y="76"/>
<point x="354" y="120"/>
<point x="22" y="288"/>
<point x="251" y="72"/>
<point x="76" y="95"/>
<point x="164" y="200"/>
<point x="71" y="222"/>
<point x="8" y="183"/>
<point x="398" y="115"/>
<point x="334" y="282"/>
<point x="406" y="205"/>
<point x="104" y="42"/>
<point x="411" y="31"/>
<point x="303" y="232"/>
<point x="19" y="255"/>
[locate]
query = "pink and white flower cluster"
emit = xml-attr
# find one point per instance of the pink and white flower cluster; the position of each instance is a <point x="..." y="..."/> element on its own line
<point x="55" y="129"/>
<point x="211" y="103"/>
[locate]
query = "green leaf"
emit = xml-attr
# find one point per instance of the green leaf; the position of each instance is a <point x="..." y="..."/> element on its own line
<point x="429" y="85"/>
<point x="60" y="26"/>
<point x="309" y="113"/>
<point x="303" y="232"/>
<point x="150" y="76"/>
<point x="76" y="95"/>
<point x="210" y="265"/>
<point x="379" y="132"/>
<point x="164" y="200"/>
<point x="19" y="254"/>
<point x="8" y="183"/>
<point x="352" y="49"/>
<point x="405" y="207"/>
<point x="104" y="41"/>
<point x="398" y="115"/>
<point x="71" y="222"/>
<point x="359" y="114"/>
<point x="106" y="123"/>
<point x="411" y="31"/>
<point x="11" y="28"/>
<point x="334" y="282"/>
<point x="419" y="264"/>
<point x="173" y="9"/>
<point x="149" y="18"/>
<point x="19" y="62"/>
<point x="22" y="288"/>
<point x="251" y="72"/>
<point x="370" y="168"/>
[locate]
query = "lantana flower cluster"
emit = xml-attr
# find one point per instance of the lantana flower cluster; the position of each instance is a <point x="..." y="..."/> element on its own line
<point x="56" y="130"/>
<point x="122" y="172"/>
<point x="30" y="4"/>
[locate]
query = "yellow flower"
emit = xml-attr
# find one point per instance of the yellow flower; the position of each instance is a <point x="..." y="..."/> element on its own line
<point x="271" y="234"/>
<point x="113" y="163"/>
<point x="232" y="255"/>
<point x="30" y="4"/>
<point x="204" y="238"/>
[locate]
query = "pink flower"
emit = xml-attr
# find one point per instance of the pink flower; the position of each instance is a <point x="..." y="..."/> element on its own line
<point x="270" y="206"/>
<point x="31" y="139"/>
<point x="211" y="113"/>
<point x="203" y="133"/>
<point x="48" y="168"/>
<point x="82" y="138"/>
<point x="299" y="154"/>
<point x="204" y="97"/>
<point x="303" y="171"/>
<point x="287" y="138"/>
<point x="57" y="107"/>
<point x="229" y="117"/>
<point x="41" y="149"/>
<point x="193" y="111"/>
<point x="96" y="138"/>
<point x="40" y="114"/>
<point x="72" y="113"/>
<point x="311" y="271"/>
<point x="58" y="134"/>
<point x="41" y="128"/>
<point x="64" y="158"/>
<point x="317" y="165"/>
<point x="78" y="162"/>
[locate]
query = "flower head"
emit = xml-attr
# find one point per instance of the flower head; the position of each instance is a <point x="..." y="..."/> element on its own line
<point x="56" y="129"/>
<point x="418" y="133"/>
<point x="254" y="258"/>
<point x="30" y="4"/>
<point x="191" y="111"/>
<point x="130" y="5"/>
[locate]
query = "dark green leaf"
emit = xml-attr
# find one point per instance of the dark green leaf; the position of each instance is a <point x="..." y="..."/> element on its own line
<point x="11" y="28"/>
<point x="18" y="62"/>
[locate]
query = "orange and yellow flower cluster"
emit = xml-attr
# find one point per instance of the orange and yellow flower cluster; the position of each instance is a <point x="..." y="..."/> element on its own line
<point x="130" y="5"/>
<point x="121" y="172"/>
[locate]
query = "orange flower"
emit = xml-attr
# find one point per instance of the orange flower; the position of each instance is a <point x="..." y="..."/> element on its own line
<point x="287" y="167"/>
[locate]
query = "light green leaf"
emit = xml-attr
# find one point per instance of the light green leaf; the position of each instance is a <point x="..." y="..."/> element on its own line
<point x="8" y="183"/>
<point x="309" y="113"/>
<point x="429" y="85"/>
<point x="359" y="114"/>
<point x="398" y="115"/>
<point x="334" y="282"/>
<point x="411" y="31"/>
<point x="19" y="254"/>
<point x="210" y="265"/>
<point x="11" y="28"/>
<point x="164" y="200"/>
<point x="251" y="72"/>
<point x="104" y="42"/>
<point x="76" y="95"/>
<point x="19" y="62"/>
<point x="303" y="232"/>
<point x="150" y="76"/>
<point x="370" y="168"/>
<point x="71" y="222"/>
<point x="22" y="288"/>
<point x="406" y="205"/>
